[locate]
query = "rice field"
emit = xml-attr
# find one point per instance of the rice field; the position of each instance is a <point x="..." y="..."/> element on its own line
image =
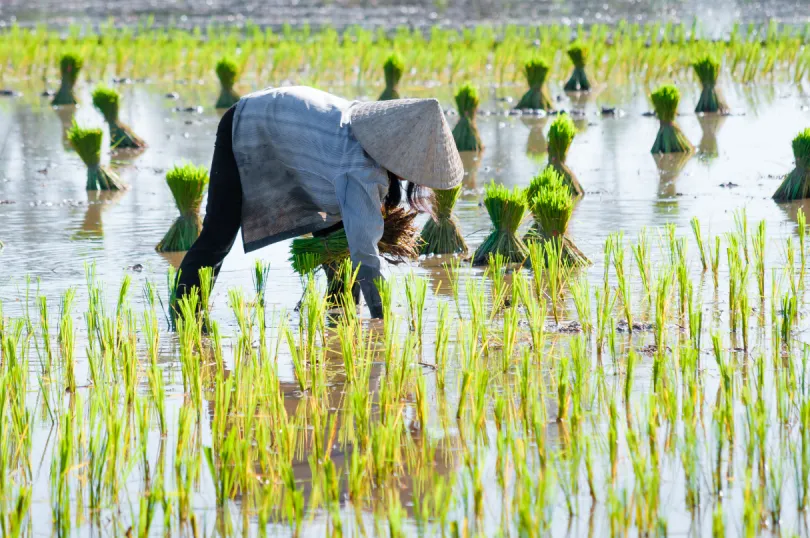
<point x="658" y="388"/>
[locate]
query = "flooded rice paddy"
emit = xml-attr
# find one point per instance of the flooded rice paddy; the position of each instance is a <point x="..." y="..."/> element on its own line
<point x="553" y="430"/>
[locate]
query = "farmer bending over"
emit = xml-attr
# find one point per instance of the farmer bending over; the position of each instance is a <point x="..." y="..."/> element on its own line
<point x="292" y="161"/>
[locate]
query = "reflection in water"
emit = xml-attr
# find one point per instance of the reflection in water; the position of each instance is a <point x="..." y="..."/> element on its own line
<point x="791" y="209"/>
<point x="472" y="162"/>
<point x="536" y="144"/>
<point x="97" y="203"/>
<point x="669" y="169"/>
<point x="173" y="258"/>
<point x="66" y="115"/>
<point x="710" y="124"/>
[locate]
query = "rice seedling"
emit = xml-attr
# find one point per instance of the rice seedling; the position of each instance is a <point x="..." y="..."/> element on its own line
<point x="796" y="186"/>
<point x="670" y="139"/>
<point x="393" y="68"/>
<point x="578" y="52"/>
<point x="507" y="210"/>
<point x="87" y="143"/>
<point x="227" y="73"/>
<point x="465" y="133"/>
<point x="107" y="100"/>
<point x="536" y="98"/>
<point x="70" y="64"/>
<point x="551" y="207"/>
<point x="441" y="233"/>
<point x="711" y="99"/>
<point x="187" y="183"/>
<point x="560" y="135"/>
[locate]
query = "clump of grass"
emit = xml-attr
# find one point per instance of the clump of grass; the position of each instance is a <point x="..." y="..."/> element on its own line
<point x="393" y="69"/>
<point x="537" y="98"/>
<point x="465" y="133"/>
<point x="227" y="73"/>
<point x="187" y="183"/>
<point x="87" y="143"/>
<point x="670" y="139"/>
<point x="796" y="184"/>
<point x="400" y="242"/>
<point x="107" y="100"/>
<point x="711" y="99"/>
<point x="578" y="82"/>
<point x="560" y="135"/>
<point x="441" y="234"/>
<point x="551" y="204"/>
<point x="69" y="65"/>
<point x="507" y="209"/>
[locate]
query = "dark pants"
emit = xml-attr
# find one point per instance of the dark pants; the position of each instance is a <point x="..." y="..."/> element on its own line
<point x="223" y="217"/>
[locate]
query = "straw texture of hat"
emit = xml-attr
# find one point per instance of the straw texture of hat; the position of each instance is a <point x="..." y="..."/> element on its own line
<point x="410" y="138"/>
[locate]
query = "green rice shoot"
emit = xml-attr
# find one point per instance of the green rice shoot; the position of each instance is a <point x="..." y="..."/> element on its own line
<point x="87" y="143"/>
<point x="561" y="134"/>
<point x="537" y="98"/>
<point x="393" y="68"/>
<point x="796" y="185"/>
<point x="441" y="233"/>
<point x="670" y="139"/>
<point x="227" y="73"/>
<point x="107" y="101"/>
<point x="465" y="133"/>
<point x="507" y="209"/>
<point x="187" y="183"/>
<point x="578" y="53"/>
<point x="70" y="64"/>
<point x="707" y="69"/>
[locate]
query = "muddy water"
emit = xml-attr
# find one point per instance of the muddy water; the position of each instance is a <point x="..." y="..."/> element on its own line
<point x="52" y="228"/>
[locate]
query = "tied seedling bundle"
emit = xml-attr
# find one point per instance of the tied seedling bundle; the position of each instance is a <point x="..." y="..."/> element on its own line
<point x="507" y="209"/>
<point x="87" y="143"/>
<point x="796" y="185"/>
<point x="465" y="133"/>
<point x="441" y="234"/>
<point x="560" y="136"/>
<point x="399" y="242"/>
<point x="537" y="98"/>
<point x="227" y="73"/>
<point x="69" y="66"/>
<point x="711" y="98"/>
<point x="107" y="100"/>
<point x="393" y="69"/>
<point x="578" y="53"/>
<point x="187" y="183"/>
<point x="551" y="205"/>
<point x="670" y="139"/>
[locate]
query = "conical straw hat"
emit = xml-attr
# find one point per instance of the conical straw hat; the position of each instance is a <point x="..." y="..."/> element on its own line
<point x="410" y="138"/>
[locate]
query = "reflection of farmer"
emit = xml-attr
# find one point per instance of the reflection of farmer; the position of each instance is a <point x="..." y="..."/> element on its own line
<point x="296" y="160"/>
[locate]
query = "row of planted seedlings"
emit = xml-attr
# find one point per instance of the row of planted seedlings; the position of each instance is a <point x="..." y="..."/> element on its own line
<point x="684" y="395"/>
<point x="619" y="54"/>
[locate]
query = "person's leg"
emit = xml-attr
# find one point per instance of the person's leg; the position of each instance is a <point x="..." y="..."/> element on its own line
<point x="223" y="212"/>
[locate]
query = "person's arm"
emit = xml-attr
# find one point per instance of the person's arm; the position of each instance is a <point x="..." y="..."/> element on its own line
<point x="361" y="208"/>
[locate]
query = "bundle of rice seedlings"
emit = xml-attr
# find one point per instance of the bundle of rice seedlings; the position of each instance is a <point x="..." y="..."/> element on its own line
<point x="87" y="143"/>
<point x="393" y="69"/>
<point x="796" y="184"/>
<point x="69" y="65"/>
<point x="187" y="183"/>
<point x="465" y="133"/>
<point x="578" y="82"/>
<point x="560" y="135"/>
<point x="107" y="100"/>
<point x="400" y="242"/>
<point x="441" y="234"/>
<point x="507" y="209"/>
<point x="670" y="139"/>
<point x="711" y="98"/>
<point x="537" y="98"/>
<point x="551" y="205"/>
<point x="227" y="72"/>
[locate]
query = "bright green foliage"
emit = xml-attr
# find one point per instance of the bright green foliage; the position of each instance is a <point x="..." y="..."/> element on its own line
<point x="560" y="136"/>
<point x="87" y="143"/>
<point x="670" y="139"/>
<point x="537" y="98"/>
<point x="227" y="73"/>
<point x="711" y="99"/>
<point x="441" y="234"/>
<point x="187" y="183"/>
<point x="578" y="53"/>
<point x="107" y="100"/>
<point x="796" y="185"/>
<point x="393" y="69"/>
<point x="507" y="209"/>
<point x="465" y="133"/>
<point x="69" y="66"/>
